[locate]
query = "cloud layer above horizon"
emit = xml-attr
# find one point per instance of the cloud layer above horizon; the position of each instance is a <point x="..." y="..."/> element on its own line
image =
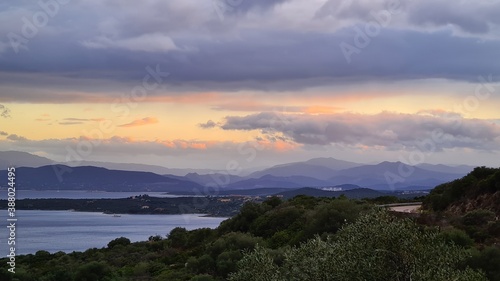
<point x="258" y="45"/>
<point x="338" y="75"/>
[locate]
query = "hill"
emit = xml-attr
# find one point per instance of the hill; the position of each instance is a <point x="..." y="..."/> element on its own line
<point x="356" y="193"/>
<point x="24" y="159"/>
<point x="379" y="176"/>
<point x="460" y="169"/>
<point x="18" y="159"/>
<point x="480" y="189"/>
<point x="316" y="172"/>
<point x="295" y="169"/>
<point x="318" y="168"/>
<point x="94" y="178"/>
<point x="274" y="181"/>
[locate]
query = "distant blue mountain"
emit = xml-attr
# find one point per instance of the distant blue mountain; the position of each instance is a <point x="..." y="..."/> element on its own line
<point x="392" y="176"/>
<point x="38" y="172"/>
<point x="95" y="178"/>
<point x="274" y="181"/>
<point x="22" y="159"/>
<point x="357" y="193"/>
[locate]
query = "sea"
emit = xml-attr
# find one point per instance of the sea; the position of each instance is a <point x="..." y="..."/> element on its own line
<point x="69" y="231"/>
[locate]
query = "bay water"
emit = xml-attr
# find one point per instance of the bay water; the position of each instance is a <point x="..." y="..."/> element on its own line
<point x="70" y="231"/>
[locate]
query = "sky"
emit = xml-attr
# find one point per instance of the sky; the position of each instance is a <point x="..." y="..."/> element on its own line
<point x="230" y="84"/>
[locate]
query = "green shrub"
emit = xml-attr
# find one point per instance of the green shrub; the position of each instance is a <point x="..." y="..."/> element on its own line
<point x="457" y="237"/>
<point x="478" y="217"/>
<point x="119" y="241"/>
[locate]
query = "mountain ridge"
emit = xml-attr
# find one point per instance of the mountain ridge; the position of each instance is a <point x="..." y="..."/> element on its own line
<point x="382" y="176"/>
<point x="94" y="178"/>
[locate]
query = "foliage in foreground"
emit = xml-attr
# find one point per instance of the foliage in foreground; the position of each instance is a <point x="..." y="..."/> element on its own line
<point x="480" y="189"/>
<point x="375" y="247"/>
<point x="275" y="226"/>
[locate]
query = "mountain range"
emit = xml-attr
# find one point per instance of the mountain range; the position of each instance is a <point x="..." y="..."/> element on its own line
<point x="35" y="172"/>
<point x="24" y="159"/>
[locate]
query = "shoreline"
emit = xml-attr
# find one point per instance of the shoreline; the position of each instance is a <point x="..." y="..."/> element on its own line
<point x="140" y="205"/>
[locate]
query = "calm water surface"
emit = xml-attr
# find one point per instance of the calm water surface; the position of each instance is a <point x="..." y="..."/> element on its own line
<point x="77" y="231"/>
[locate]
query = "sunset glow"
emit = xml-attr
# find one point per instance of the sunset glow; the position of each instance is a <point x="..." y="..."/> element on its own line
<point x="195" y="91"/>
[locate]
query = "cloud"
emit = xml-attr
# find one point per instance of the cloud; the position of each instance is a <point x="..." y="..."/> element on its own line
<point x="253" y="105"/>
<point x="155" y="42"/>
<point x="70" y="123"/>
<point x="116" y="148"/>
<point x="473" y="17"/>
<point x="3" y="47"/>
<point x="285" y="48"/>
<point x="15" y="137"/>
<point x="84" y="119"/>
<point x="140" y="122"/>
<point x="208" y="125"/>
<point x="2" y="133"/>
<point x="4" y="111"/>
<point x="470" y="18"/>
<point x="387" y="129"/>
<point x="74" y="121"/>
<point x="266" y="46"/>
<point x="238" y="7"/>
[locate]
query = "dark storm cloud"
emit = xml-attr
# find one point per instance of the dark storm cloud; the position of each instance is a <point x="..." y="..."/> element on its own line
<point x="441" y="14"/>
<point x="91" y="47"/>
<point x="474" y="17"/>
<point x="243" y="6"/>
<point x="269" y="61"/>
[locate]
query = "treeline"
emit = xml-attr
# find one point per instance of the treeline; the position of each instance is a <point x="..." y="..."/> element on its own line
<point x="142" y="204"/>
<point x="304" y="238"/>
<point x="480" y="189"/>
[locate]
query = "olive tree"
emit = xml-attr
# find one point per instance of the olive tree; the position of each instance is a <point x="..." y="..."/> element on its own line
<point x="375" y="247"/>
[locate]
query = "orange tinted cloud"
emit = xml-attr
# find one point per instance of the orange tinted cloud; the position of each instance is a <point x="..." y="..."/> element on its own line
<point x="140" y="122"/>
<point x="278" y="145"/>
<point x="187" y="144"/>
<point x="243" y="105"/>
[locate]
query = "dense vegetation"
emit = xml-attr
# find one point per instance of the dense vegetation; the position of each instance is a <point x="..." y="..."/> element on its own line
<point x="480" y="189"/>
<point x="304" y="238"/>
<point x="187" y="254"/>
<point x="376" y="247"/>
<point x="470" y="204"/>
